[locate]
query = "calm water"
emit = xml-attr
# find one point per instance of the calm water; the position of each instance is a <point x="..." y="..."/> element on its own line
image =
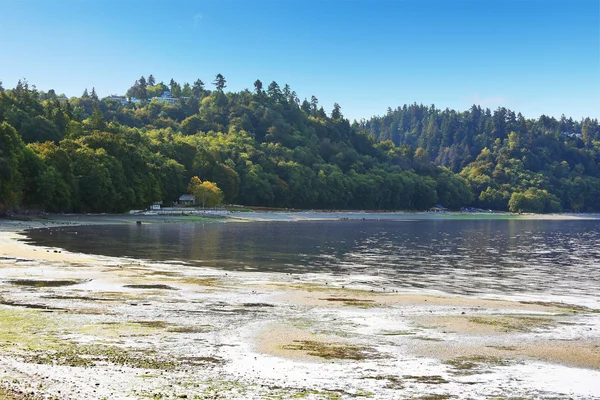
<point x="455" y="256"/>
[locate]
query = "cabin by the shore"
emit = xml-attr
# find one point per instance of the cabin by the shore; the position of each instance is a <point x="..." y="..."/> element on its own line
<point x="438" y="208"/>
<point x="186" y="200"/>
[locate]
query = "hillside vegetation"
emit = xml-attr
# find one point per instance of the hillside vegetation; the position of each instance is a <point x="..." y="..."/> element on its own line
<point x="540" y="165"/>
<point x="266" y="147"/>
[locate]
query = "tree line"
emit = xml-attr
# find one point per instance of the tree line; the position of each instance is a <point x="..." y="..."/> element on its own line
<point x="266" y="147"/>
<point x="510" y="162"/>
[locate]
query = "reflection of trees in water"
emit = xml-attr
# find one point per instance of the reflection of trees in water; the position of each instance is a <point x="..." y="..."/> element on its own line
<point x="455" y="256"/>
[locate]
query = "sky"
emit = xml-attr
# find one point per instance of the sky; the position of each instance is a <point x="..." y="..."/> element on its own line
<point x="532" y="56"/>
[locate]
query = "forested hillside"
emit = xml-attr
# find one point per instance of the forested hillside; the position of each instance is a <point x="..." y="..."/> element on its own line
<point x="262" y="147"/>
<point x="266" y="147"/>
<point x="541" y="165"/>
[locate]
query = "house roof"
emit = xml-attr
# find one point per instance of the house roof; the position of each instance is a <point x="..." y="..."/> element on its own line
<point x="187" y="197"/>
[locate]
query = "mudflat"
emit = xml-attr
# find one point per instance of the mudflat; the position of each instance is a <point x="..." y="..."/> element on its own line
<point x="78" y="326"/>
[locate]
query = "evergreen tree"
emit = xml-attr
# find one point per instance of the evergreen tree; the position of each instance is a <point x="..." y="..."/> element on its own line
<point x="306" y="107"/>
<point x="187" y="90"/>
<point x="274" y="91"/>
<point x="314" y="103"/>
<point x="219" y="82"/>
<point x="176" y="90"/>
<point x="151" y="81"/>
<point x="321" y="113"/>
<point x="93" y="95"/>
<point x="85" y="94"/>
<point x="258" y="87"/>
<point x="97" y="121"/>
<point x="19" y="87"/>
<point x="336" y="113"/>
<point x="198" y="88"/>
<point x="142" y="92"/>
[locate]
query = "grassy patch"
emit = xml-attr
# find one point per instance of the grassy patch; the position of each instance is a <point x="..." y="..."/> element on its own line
<point x="77" y="298"/>
<point x="475" y="365"/>
<point x="563" y="306"/>
<point x="201" y="281"/>
<point x="505" y="348"/>
<point x="90" y="355"/>
<point x="38" y="283"/>
<point x="11" y="394"/>
<point x="515" y="323"/>
<point x="28" y="305"/>
<point x="165" y="273"/>
<point x="24" y="329"/>
<point x="152" y="324"/>
<point x="258" y="305"/>
<point x="398" y="333"/>
<point x="428" y="379"/>
<point x="207" y="360"/>
<point x="151" y="286"/>
<point x="353" y="302"/>
<point x="428" y="339"/>
<point x="302" y="323"/>
<point x="393" y="381"/>
<point x="192" y="329"/>
<point x="115" y="330"/>
<point x="332" y="350"/>
<point x="314" y="287"/>
<point x="216" y="389"/>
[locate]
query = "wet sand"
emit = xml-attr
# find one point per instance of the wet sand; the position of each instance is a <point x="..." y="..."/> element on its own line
<point x="78" y="326"/>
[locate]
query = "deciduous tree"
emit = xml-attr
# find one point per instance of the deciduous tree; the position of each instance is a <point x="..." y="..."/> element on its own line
<point x="206" y="193"/>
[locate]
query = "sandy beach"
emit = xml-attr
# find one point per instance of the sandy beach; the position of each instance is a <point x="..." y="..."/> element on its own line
<point x="76" y="326"/>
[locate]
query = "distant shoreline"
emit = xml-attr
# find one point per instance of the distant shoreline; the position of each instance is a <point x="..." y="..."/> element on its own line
<point x="22" y="222"/>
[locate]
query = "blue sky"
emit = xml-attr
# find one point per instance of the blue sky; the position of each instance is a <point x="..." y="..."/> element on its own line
<point x="533" y="56"/>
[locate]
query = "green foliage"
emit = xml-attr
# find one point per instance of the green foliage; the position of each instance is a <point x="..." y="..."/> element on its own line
<point x="11" y="148"/>
<point x="265" y="148"/>
<point x="501" y="153"/>
<point x="219" y="82"/>
<point x="207" y="193"/>
<point x="533" y="200"/>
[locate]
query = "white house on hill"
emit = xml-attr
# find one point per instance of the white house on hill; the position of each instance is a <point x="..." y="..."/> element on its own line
<point x="120" y="99"/>
<point x="167" y="98"/>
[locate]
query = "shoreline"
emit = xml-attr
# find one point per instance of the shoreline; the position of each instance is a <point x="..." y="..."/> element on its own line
<point x="108" y="327"/>
<point x="24" y="221"/>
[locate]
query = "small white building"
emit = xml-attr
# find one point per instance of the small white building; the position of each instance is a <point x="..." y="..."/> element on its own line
<point x="120" y="99"/>
<point x="166" y="97"/>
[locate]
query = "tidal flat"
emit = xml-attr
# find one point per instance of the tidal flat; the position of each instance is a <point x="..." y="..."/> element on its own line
<point x="75" y="325"/>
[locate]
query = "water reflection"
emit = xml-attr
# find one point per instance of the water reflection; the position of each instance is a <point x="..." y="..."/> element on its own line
<point x="503" y="256"/>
